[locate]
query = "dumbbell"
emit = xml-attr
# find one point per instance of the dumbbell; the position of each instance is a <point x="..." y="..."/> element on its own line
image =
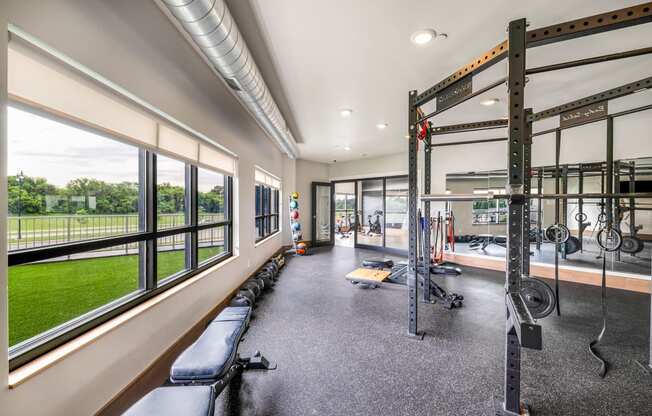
<point x="248" y="294"/>
<point x="240" y="300"/>
<point x="259" y="282"/>
<point x="266" y="277"/>
<point x="279" y="260"/>
<point x="271" y="270"/>
<point x="253" y="287"/>
<point x="273" y="266"/>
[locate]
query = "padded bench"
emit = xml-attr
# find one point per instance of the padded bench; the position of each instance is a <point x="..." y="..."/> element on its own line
<point x="202" y="370"/>
<point x="210" y="357"/>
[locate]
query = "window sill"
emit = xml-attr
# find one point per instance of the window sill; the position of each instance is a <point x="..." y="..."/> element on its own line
<point x="266" y="239"/>
<point x="40" y="364"/>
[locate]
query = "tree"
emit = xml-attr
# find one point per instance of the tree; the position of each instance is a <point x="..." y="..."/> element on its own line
<point x="30" y="197"/>
<point x="171" y="199"/>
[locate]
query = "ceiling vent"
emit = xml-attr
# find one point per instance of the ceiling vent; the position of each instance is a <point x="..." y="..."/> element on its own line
<point x="213" y="30"/>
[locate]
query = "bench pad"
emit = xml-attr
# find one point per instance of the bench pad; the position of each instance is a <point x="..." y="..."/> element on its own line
<point x="209" y="358"/>
<point x="175" y="401"/>
<point x="378" y="263"/>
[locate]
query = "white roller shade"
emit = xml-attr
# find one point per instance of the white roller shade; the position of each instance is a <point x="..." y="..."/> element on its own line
<point x="212" y="158"/>
<point x="66" y="89"/>
<point x="172" y="141"/>
<point x="265" y="178"/>
<point x="48" y="85"/>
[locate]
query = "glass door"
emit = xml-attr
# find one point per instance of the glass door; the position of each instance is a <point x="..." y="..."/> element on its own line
<point x="322" y="205"/>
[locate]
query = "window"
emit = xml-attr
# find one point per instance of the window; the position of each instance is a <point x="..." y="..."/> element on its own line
<point x="170" y="193"/>
<point x="108" y="204"/>
<point x="78" y="233"/>
<point x="267" y="195"/>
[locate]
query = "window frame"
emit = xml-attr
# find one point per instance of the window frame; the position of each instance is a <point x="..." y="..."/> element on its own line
<point x="269" y="208"/>
<point x="27" y="350"/>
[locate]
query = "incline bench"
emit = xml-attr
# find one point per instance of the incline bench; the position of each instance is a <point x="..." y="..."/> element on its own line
<point x="397" y="274"/>
<point x="203" y="370"/>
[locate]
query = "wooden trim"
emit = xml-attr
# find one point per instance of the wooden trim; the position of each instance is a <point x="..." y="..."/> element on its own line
<point x="566" y="273"/>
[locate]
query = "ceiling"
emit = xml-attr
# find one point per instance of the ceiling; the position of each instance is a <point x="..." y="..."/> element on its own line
<point x="336" y="54"/>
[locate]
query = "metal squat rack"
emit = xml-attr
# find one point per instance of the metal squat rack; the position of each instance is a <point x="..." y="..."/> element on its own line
<point x="521" y="330"/>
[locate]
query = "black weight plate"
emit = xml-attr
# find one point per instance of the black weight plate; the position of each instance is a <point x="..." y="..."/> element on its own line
<point x="538" y="296"/>
<point x="631" y="245"/>
<point x="557" y="233"/>
<point x="609" y="239"/>
<point x="572" y="245"/>
<point x="641" y="245"/>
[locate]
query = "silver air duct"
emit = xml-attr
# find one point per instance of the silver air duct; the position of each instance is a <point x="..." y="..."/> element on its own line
<point x="213" y="30"/>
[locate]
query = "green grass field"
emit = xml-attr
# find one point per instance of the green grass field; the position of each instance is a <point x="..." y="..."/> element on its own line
<point x="45" y="295"/>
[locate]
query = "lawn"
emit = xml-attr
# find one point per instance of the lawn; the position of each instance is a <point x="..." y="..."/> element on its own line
<point x="45" y="295"/>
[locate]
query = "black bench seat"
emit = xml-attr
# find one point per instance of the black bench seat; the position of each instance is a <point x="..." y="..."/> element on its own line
<point x="209" y="358"/>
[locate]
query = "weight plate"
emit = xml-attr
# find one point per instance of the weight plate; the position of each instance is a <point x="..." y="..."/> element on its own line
<point x="557" y="233"/>
<point x="538" y="296"/>
<point x="631" y="245"/>
<point x="581" y="217"/>
<point x="602" y="218"/>
<point x="572" y="245"/>
<point x="609" y="239"/>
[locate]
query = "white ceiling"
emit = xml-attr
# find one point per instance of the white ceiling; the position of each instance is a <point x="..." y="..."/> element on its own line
<point x="357" y="54"/>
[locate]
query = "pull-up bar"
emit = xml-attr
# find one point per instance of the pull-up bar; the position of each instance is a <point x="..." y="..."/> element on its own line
<point x="490" y="196"/>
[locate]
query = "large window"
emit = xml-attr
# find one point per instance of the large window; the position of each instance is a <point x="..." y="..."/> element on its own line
<point x="97" y="225"/>
<point x="267" y="196"/>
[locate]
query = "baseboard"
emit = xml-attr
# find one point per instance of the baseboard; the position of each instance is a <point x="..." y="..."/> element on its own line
<point x="159" y="370"/>
<point x="615" y="280"/>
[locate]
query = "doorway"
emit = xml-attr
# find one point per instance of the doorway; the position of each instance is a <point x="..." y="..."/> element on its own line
<point x="344" y="214"/>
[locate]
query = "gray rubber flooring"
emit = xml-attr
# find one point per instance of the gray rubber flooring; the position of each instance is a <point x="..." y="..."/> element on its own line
<point x="343" y="351"/>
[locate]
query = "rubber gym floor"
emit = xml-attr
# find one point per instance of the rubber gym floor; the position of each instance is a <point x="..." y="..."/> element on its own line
<point x="343" y="351"/>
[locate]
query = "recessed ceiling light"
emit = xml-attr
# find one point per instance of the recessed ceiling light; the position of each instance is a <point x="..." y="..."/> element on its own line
<point x="346" y="112"/>
<point x="490" y="101"/>
<point x="382" y="125"/>
<point x="347" y="148"/>
<point x="422" y="37"/>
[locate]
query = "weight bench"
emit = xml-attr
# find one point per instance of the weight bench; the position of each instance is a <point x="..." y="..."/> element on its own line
<point x="398" y="276"/>
<point x="204" y="369"/>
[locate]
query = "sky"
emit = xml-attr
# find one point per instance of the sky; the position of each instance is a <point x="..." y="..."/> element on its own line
<point x="42" y="147"/>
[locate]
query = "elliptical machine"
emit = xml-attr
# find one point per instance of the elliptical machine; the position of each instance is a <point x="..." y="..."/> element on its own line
<point x="374" y="227"/>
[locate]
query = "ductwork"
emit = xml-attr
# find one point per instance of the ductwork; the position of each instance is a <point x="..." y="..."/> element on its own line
<point x="213" y="30"/>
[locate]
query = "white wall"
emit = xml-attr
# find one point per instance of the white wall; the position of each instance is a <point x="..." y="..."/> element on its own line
<point x="308" y="172"/>
<point x="133" y="44"/>
<point x="390" y="165"/>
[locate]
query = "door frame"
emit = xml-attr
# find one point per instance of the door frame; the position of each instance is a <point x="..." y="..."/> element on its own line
<point x="313" y="213"/>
